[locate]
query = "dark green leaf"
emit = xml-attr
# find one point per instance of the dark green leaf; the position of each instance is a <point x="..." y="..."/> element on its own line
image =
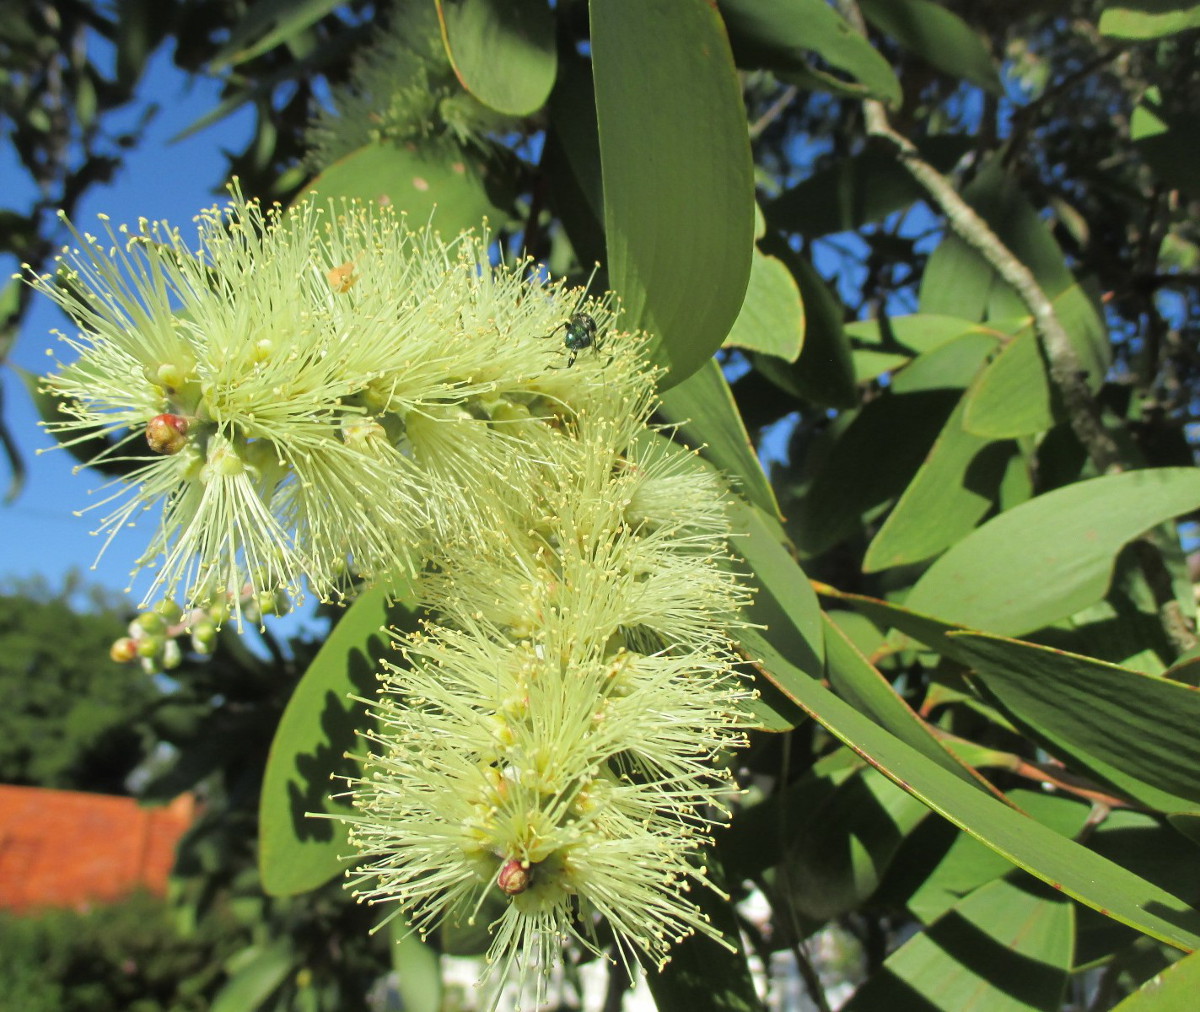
<point x="703" y="973"/>
<point x="938" y="36"/>
<point x="782" y="35"/>
<point x="707" y="416"/>
<point x="824" y="373"/>
<point x="857" y="681"/>
<point x="857" y="190"/>
<point x="1061" y="863"/>
<point x="678" y="177"/>
<point x="1133" y="731"/>
<point x="265" y="25"/>
<point x="1005" y="948"/>
<point x="952" y="491"/>
<point x="784" y="603"/>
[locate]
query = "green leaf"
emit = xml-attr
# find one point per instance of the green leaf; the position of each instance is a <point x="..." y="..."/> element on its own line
<point x="1016" y="396"/>
<point x="845" y="836"/>
<point x="451" y="197"/>
<point x="1053" y="555"/>
<point x="1149" y="19"/>
<point x="502" y="51"/>
<point x="678" y="176"/>
<point x="860" y="684"/>
<point x="885" y="344"/>
<point x="1063" y="864"/>
<point x="771" y="319"/>
<point x="418" y="969"/>
<point x="858" y="190"/>
<point x="297" y="853"/>
<point x="863" y="466"/>
<point x="824" y="373"/>
<point x="1007" y="947"/>
<point x="967" y="864"/>
<point x="952" y="491"/>
<point x="1172" y="990"/>
<point x="265" y="25"/>
<point x="703" y="973"/>
<point x="255" y="974"/>
<point x="704" y="409"/>
<point x="938" y="36"/>
<point x="782" y="35"/>
<point x="1167" y="139"/>
<point x="959" y="282"/>
<point x="1134" y="731"/>
<point x="784" y="604"/>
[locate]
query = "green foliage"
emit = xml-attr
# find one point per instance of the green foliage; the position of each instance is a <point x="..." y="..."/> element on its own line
<point x="130" y="956"/>
<point x="71" y="715"/>
<point x="1021" y="813"/>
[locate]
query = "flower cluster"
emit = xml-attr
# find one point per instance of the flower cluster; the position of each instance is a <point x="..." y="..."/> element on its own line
<point x="320" y="395"/>
<point x="558" y="741"/>
<point x="310" y="395"/>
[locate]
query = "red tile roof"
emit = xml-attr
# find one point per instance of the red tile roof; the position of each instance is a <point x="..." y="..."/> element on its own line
<point x="73" y="849"/>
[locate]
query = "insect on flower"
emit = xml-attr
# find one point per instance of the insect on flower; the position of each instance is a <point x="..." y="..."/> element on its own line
<point x="581" y="334"/>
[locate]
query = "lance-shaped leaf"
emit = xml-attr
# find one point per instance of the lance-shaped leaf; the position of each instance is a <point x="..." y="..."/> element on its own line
<point x="1134" y="731"/>
<point x="1053" y="555"/>
<point x="1063" y="864"/>
<point x="678" y="176"/>
<point x="1005" y="948"/>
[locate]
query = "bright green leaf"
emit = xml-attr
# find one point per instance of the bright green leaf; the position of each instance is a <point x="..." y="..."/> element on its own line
<point x="502" y="51"/>
<point x="678" y="177"/>
<point x="1053" y="555"/>
<point x="297" y="853"/>
<point x="1173" y="990"/>
<point x="1149" y="19"/>
<point x="771" y="319"/>
<point x="451" y="197"/>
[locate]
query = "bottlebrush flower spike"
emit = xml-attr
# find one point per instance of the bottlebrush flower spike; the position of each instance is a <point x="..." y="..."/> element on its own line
<point x="557" y="745"/>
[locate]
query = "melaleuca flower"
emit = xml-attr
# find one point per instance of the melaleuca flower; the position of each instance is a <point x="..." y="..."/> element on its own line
<point x="320" y="389"/>
<point x="557" y="745"/>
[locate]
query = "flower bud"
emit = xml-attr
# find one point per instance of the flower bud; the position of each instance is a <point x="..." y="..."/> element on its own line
<point x="123" y="650"/>
<point x="167" y="434"/>
<point x="515" y="877"/>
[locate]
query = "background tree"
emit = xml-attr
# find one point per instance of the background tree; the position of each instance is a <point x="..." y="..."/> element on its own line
<point x="966" y="341"/>
<point x="72" y="716"/>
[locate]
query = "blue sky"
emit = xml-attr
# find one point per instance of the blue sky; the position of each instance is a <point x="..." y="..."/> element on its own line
<point x="159" y="180"/>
